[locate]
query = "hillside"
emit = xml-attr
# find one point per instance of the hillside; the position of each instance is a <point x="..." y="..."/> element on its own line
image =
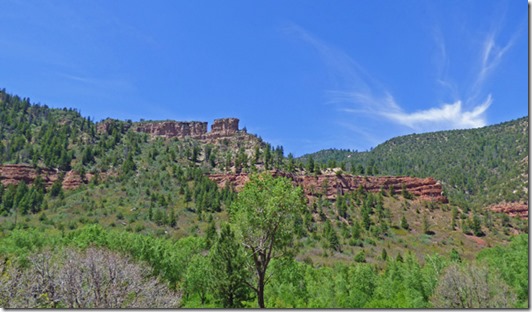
<point x="161" y="191"/>
<point x="477" y="166"/>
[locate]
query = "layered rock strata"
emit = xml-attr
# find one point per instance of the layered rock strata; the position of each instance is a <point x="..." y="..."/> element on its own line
<point x="173" y="129"/>
<point x="519" y="210"/>
<point x="14" y="174"/>
<point x="224" y="127"/>
<point x="330" y="185"/>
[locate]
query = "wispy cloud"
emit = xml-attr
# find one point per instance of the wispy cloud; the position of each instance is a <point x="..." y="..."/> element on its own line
<point x="448" y="116"/>
<point x="109" y="84"/>
<point x="491" y="55"/>
<point x="360" y="94"/>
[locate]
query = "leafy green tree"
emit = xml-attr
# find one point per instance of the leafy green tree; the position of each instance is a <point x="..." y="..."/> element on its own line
<point x="198" y="277"/>
<point x="511" y="262"/>
<point x="263" y="213"/>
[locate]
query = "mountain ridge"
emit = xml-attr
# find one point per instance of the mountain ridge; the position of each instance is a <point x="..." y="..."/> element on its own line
<point x="469" y="162"/>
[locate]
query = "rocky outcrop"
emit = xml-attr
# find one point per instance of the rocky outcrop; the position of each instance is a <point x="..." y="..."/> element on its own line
<point x="221" y="128"/>
<point x="173" y="129"/>
<point x="330" y="185"/>
<point x="14" y="174"/>
<point x="519" y="210"/>
<point x="73" y="180"/>
<point x="224" y="127"/>
<point x="105" y="126"/>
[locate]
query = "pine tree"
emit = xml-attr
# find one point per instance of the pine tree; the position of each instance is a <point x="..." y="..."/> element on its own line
<point x="404" y="223"/>
<point x="229" y="274"/>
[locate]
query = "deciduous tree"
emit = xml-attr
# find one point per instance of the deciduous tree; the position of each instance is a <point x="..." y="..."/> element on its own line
<point x="263" y="213"/>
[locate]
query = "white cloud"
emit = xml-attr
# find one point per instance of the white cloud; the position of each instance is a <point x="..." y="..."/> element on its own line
<point x="447" y="116"/>
<point x="361" y="95"/>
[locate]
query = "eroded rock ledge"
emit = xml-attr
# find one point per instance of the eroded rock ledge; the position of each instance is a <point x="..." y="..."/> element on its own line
<point x="14" y="174"/>
<point x="221" y="128"/>
<point x="331" y="185"/>
<point x="519" y="210"/>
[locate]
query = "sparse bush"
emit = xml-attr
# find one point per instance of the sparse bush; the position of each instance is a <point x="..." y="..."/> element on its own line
<point x="95" y="278"/>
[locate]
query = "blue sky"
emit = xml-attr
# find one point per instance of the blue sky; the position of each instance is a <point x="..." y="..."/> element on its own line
<point x="307" y="75"/>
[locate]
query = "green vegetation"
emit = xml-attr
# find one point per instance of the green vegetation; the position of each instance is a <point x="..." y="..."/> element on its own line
<point x="264" y="214"/>
<point x="404" y="283"/>
<point x="150" y="209"/>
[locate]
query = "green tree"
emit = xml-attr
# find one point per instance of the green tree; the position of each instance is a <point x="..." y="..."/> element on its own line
<point x="57" y="187"/>
<point x="210" y="233"/>
<point x="404" y="223"/>
<point x="330" y="235"/>
<point x="360" y="257"/>
<point x="128" y="165"/>
<point x="229" y="274"/>
<point x="198" y="277"/>
<point x="476" y="225"/>
<point x="291" y="166"/>
<point x="263" y="213"/>
<point x="310" y="164"/>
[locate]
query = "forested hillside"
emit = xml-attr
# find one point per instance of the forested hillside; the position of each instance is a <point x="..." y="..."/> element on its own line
<point x="477" y="166"/>
<point x="143" y="211"/>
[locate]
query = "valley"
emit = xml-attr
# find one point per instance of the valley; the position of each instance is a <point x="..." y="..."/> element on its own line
<point x="386" y="224"/>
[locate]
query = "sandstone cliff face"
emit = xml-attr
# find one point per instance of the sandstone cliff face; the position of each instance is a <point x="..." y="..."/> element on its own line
<point x="224" y="127"/>
<point x="331" y="185"/>
<point x="172" y="129"/>
<point x="519" y="210"/>
<point x="14" y="174"/>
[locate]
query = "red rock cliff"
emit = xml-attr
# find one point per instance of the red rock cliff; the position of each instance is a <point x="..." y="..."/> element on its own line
<point x="224" y="127"/>
<point x="172" y="129"/>
<point x="14" y="174"/>
<point x="331" y="185"/>
<point x="519" y="210"/>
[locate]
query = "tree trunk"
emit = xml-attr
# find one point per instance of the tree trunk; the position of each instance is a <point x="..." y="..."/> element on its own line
<point x="260" y="292"/>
